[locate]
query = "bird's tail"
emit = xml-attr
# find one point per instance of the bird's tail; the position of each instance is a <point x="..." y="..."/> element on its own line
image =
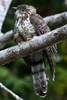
<point x="39" y="79"/>
<point x="49" y="53"/>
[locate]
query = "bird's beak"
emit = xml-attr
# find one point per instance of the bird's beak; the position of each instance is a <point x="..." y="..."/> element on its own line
<point x="14" y="8"/>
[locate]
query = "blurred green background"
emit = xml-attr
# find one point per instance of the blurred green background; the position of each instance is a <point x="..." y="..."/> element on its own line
<point x="17" y="75"/>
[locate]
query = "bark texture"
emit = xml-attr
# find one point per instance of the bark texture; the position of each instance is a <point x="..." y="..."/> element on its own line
<point x="35" y="44"/>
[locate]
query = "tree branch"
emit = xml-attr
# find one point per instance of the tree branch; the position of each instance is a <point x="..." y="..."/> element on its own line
<point x="10" y="92"/>
<point x="35" y="44"/>
<point x="4" y="6"/>
<point x="50" y="20"/>
<point x="56" y="19"/>
<point x="6" y="37"/>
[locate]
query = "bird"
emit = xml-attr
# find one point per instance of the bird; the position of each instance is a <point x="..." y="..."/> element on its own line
<point x="27" y="25"/>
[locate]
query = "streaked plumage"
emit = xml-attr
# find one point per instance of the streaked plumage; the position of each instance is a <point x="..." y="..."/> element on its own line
<point x="27" y="25"/>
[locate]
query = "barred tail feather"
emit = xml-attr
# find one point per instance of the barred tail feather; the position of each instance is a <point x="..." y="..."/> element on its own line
<point x="36" y="81"/>
<point x="43" y="78"/>
<point x="52" y="67"/>
<point x="51" y="63"/>
<point x="39" y="79"/>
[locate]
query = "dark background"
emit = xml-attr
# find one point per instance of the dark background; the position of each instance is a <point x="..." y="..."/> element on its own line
<point x="17" y="75"/>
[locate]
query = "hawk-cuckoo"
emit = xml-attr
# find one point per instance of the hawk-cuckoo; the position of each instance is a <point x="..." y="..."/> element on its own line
<point x="27" y="25"/>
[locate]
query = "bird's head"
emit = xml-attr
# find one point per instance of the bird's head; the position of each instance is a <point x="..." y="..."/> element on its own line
<point x="22" y="11"/>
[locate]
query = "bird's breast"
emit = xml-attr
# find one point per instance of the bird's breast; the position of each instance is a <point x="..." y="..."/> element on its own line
<point x="26" y="29"/>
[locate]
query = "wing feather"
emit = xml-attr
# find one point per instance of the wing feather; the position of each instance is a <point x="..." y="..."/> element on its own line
<point x="42" y="28"/>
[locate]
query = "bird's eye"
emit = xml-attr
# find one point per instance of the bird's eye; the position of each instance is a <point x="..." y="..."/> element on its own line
<point x="22" y="9"/>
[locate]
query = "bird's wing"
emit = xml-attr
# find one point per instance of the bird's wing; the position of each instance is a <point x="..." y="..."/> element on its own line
<point x="42" y="28"/>
<point x="39" y="24"/>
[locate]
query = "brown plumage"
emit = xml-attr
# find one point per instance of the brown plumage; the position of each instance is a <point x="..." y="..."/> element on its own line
<point x="27" y="25"/>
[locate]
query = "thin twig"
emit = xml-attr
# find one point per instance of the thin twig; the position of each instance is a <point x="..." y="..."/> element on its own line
<point x="10" y="92"/>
